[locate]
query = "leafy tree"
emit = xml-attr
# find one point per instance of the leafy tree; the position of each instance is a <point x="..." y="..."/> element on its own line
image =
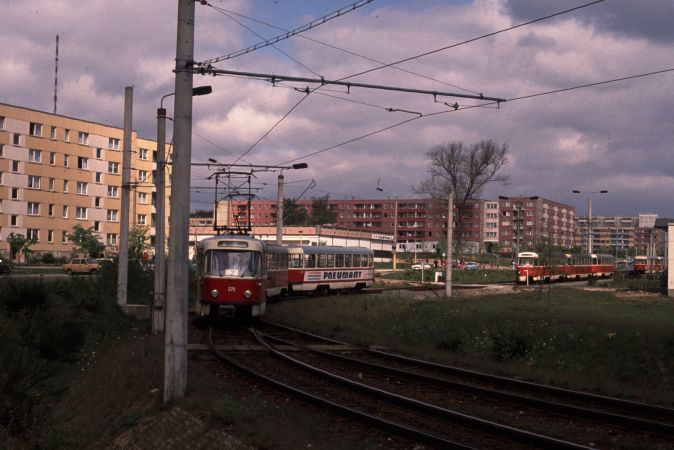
<point x="462" y="171"/>
<point x="139" y="242"/>
<point x="202" y="213"/>
<point x="85" y="241"/>
<point x="294" y="214"/>
<point x="320" y="212"/>
<point x="19" y="243"/>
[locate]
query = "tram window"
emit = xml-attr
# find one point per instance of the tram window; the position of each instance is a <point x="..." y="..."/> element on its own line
<point x="310" y="261"/>
<point x="339" y="260"/>
<point x="323" y="260"/>
<point x="295" y="261"/>
<point x="232" y="263"/>
<point x="370" y="261"/>
<point x="363" y="260"/>
<point x="356" y="260"/>
<point x="348" y="261"/>
<point x="331" y="261"/>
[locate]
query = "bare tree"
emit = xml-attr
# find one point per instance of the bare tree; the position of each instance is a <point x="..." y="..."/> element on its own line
<point x="462" y="171"/>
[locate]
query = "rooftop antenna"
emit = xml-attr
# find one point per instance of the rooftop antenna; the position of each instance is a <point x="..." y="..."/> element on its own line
<point x="56" y="73"/>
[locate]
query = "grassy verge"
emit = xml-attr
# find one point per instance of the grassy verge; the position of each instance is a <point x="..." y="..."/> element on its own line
<point x="458" y="276"/>
<point x="592" y="341"/>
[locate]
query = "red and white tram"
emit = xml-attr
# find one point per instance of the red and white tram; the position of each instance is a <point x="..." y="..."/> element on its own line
<point x="530" y="268"/>
<point x="236" y="275"/>
<point x="649" y="264"/>
<point x="328" y="268"/>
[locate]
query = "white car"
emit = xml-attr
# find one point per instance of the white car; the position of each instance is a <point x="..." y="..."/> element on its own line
<point x="419" y="266"/>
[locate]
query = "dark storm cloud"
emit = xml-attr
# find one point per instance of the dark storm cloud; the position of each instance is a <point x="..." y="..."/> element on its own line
<point x="651" y="19"/>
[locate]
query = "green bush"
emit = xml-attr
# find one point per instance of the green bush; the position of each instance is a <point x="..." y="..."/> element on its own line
<point x="48" y="258"/>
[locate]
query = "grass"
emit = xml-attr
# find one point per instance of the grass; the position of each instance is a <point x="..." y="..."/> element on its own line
<point x="592" y="341"/>
<point x="458" y="276"/>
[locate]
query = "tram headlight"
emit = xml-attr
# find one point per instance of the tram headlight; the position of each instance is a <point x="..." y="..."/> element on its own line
<point x="214" y="293"/>
<point x="247" y="294"/>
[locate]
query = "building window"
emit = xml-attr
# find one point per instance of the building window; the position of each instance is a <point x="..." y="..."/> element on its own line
<point x="33" y="182"/>
<point x="36" y="129"/>
<point x="65" y="185"/>
<point x="142" y="153"/>
<point x="82" y="162"/>
<point x="50" y="210"/>
<point x="52" y="158"/>
<point x="2" y="122"/>
<point x="2" y="149"/>
<point x="66" y="160"/>
<point x="33" y="209"/>
<point x="34" y="155"/>
<point x="99" y="153"/>
<point x="111" y="239"/>
<point x="113" y="167"/>
<point x="142" y="175"/>
<point x="97" y="225"/>
<point x="15" y="193"/>
<point x="33" y="234"/>
<point x="113" y="191"/>
<point x="67" y="135"/>
<point x="52" y="134"/>
<point x="142" y="198"/>
<point x="112" y="215"/>
<point x="97" y="202"/>
<point x="13" y="220"/>
<point x="80" y="212"/>
<point x="142" y="219"/>
<point x="113" y="143"/>
<point x="82" y="187"/>
<point x="51" y="184"/>
<point x="83" y="138"/>
<point x="64" y="236"/>
<point x="99" y="177"/>
<point x="65" y="211"/>
<point x="50" y="235"/>
<point x="15" y="166"/>
<point x="16" y="139"/>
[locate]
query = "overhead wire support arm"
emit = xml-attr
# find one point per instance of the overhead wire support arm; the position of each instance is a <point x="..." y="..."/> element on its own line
<point x="349" y="84"/>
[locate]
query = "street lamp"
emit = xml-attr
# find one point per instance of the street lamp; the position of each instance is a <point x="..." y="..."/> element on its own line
<point x="589" y="214"/>
<point x="159" y="297"/>
<point x="279" y="200"/>
<point x="395" y="228"/>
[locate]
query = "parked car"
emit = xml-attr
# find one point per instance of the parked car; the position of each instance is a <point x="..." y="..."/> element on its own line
<point x="419" y="266"/>
<point x="5" y="267"/>
<point x="81" y="265"/>
<point x="471" y="265"/>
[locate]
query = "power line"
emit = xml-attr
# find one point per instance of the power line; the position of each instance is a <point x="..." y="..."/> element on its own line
<point x="473" y="39"/>
<point x="334" y="47"/>
<point x="305" y="27"/>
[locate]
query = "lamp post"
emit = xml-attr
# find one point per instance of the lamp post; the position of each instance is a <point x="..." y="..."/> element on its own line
<point x="279" y="200"/>
<point x="589" y="214"/>
<point x="395" y="228"/>
<point x="159" y="295"/>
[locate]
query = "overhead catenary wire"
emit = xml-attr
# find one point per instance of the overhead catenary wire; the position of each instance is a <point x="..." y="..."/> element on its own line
<point x="305" y="27"/>
<point x="447" y="47"/>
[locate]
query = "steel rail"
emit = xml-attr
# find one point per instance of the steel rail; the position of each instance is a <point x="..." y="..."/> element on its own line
<point x="576" y="411"/>
<point x="402" y="429"/>
<point x="652" y="411"/>
<point x="496" y="429"/>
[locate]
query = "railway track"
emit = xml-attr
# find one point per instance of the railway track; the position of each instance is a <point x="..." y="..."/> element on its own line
<point x="409" y="405"/>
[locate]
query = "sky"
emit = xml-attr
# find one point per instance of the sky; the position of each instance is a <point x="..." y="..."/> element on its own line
<point x="613" y="135"/>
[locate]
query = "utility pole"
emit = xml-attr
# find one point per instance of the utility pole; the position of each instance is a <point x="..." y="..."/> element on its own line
<point x="450" y="229"/>
<point x="175" y="338"/>
<point x="123" y="269"/>
<point x="159" y="298"/>
<point x="279" y="210"/>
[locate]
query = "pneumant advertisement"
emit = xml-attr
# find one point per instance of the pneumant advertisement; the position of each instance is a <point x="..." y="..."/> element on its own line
<point x="332" y="275"/>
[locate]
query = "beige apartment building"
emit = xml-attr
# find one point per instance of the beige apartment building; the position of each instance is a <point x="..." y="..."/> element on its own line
<point x="58" y="171"/>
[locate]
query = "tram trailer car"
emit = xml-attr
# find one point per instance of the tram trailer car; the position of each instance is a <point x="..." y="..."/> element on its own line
<point x="236" y="274"/>
<point x="648" y="264"/>
<point x="568" y="267"/>
<point x="329" y="268"/>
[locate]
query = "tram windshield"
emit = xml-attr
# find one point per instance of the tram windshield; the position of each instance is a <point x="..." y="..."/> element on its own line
<point x="527" y="261"/>
<point x="232" y="263"/>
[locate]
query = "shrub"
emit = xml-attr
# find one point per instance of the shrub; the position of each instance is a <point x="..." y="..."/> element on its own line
<point x="48" y="258"/>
